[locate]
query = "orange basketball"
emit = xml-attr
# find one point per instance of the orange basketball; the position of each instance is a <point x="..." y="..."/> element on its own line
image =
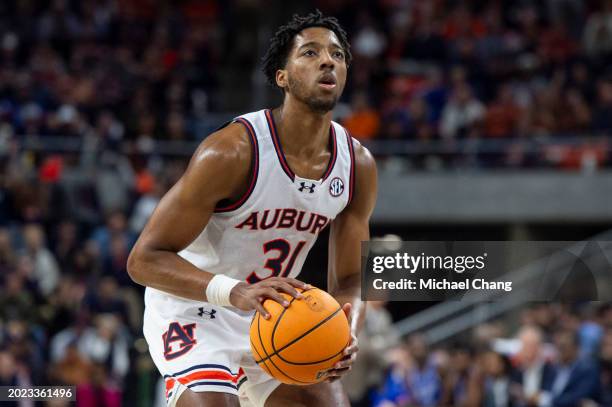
<point x="299" y="344"/>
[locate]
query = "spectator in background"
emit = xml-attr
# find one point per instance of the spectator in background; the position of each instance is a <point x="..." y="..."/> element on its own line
<point x="590" y="332"/>
<point x="457" y="376"/>
<point x="395" y="120"/>
<point x="106" y="299"/>
<point x="414" y="381"/>
<point x="26" y="342"/>
<point x="363" y="122"/>
<point x="597" y="37"/>
<point x="605" y="360"/>
<point x="116" y="226"/>
<point x="542" y="119"/>
<point x="602" y="116"/>
<point x="151" y="191"/>
<point x="421" y="126"/>
<point x="576" y="379"/>
<point x="107" y="347"/>
<point x="503" y="118"/>
<point x="46" y="270"/>
<point x="534" y="374"/>
<point x="11" y="372"/>
<point x="66" y="244"/>
<point x="496" y="371"/>
<point x="7" y="253"/>
<point x="63" y="305"/>
<point x="6" y="195"/>
<point x="74" y="370"/>
<point x="176" y="127"/>
<point x="462" y="115"/>
<point x="376" y="337"/>
<point x="114" y="264"/>
<point x="16" y="301"/>
<point x="578" y="113"/>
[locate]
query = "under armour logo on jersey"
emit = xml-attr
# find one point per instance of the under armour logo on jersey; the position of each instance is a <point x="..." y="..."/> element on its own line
<point x="336" y="187"/>
<point x="305" y="185"/>
<point x="207" y="314"/>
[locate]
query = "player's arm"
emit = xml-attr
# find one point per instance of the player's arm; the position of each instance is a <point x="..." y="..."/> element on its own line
<point x="219" y="169"/>
<point x="348" y="230"/>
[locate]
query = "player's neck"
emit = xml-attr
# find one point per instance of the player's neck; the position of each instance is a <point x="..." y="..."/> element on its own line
<point x="302" y="132"/>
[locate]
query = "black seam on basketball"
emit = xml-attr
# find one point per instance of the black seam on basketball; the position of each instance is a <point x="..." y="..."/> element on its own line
<point x="308" y="363"/>
<point x="258" y="354"/>
<point x="262" y="346"/>
<point x="276" y="351"/>
<point x="273" y="331"/>
<point x="278" y="320"/>
<point x="259" y="315"/>
<point x="327" y="318"/>
<point x="269" y="357"/>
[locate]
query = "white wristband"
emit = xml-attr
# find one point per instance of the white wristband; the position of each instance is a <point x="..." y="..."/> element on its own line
<point x="219" y="288"/>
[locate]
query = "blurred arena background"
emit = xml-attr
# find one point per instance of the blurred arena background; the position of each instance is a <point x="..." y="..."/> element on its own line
<point x="490" y="120"/>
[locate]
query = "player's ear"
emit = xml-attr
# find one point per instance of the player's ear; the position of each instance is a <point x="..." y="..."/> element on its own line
<point x="281" y="78"/>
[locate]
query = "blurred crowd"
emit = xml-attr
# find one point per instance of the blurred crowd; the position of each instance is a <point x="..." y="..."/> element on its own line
<point x="69" y="314"/>
<point x="437" y="73"/>
<point x="554" y="356"/>
<point x="112" y="78"/>
<point x="445" y="71"/>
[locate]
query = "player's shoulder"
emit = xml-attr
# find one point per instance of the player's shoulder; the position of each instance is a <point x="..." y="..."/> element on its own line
<point x="364" y="160"/>
<point x="228" y="144"/>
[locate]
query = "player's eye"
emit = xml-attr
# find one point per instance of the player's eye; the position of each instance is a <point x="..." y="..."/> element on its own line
<point x="309" y="53"/>
<point x="339" y="54"/>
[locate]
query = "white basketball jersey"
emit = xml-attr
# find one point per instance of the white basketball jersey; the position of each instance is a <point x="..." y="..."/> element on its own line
<point x="269" y="231"/>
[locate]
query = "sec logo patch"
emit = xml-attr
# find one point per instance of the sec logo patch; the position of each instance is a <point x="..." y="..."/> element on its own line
<point x="336" y="187"/>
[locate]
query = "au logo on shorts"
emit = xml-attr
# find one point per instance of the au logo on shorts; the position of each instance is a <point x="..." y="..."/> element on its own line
<point x="336" y="187"/>
<point x="178" y="340"/>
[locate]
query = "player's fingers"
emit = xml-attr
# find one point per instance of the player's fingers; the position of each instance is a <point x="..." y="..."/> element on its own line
<point x="343" y="364"/>
<point x="351" y="349"/>
<point x="335" y="374"/>
<point x="257" y="305"/>
<point x="347" y="311"/>
<point x="297" y="283"/>
<point x="271" y="293"/>
<point x="289" y="289"/>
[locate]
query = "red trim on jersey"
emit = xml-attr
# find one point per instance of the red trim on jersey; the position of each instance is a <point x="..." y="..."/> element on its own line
<point x="281" y="155"/>
<point x="349" y="140"/>
<point x="277" y="147"/>
<point x="332" y="159"/>
<point x="254" y="169"/>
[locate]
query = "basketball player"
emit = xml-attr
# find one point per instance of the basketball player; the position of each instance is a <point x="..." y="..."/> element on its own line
<point x="236" y="228"/>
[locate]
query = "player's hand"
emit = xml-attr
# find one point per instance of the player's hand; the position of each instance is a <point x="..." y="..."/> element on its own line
<point x="251" y="296"/>
<point x="344" y="365"/>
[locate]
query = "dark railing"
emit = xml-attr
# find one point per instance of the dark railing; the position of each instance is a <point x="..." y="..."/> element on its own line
<point x="539" y="150"/>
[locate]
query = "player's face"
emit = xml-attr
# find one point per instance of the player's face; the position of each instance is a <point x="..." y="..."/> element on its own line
<point x="316" y="69"/>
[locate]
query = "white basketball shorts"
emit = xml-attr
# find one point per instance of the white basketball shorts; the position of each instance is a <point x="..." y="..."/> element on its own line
<point x="204" y="348"/>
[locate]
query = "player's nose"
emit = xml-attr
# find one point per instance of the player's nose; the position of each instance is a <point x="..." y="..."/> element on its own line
<point x="327" y="61"/>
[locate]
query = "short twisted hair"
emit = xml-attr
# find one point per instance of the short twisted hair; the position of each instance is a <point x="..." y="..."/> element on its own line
<point x="282" y="41"/>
